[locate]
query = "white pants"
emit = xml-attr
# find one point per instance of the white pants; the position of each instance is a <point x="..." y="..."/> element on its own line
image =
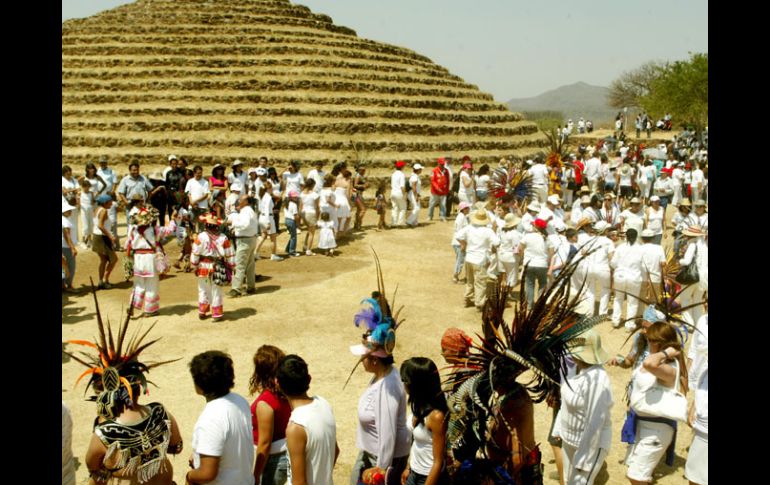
<point x="511" y="272"/>
<point x="466" y="197"/>
<point x="644" y="189"/>
<point x="73" y="218"/>
<point x="600" y="278"/>
<point x="144" y="296"/>
<point x="397" y="209"/>
<point x="87" y="219"/>
<point x="697" y="467"/>
<point x="632" y="287"/>
<point x="689" y="296"/>
<point x="677" y="197"/>
<point x="541" y="193"/>
<point x="413" y="215"/>
<point x="573" y="476"/>
<point x="209" y="296"/>
<point x="643" y="456"/>
<point x="696" y="194"/>
<point x="568" y="197"/>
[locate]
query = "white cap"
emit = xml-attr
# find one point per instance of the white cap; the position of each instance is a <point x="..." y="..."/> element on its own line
<point x="554" y="199"/>
<point x="654" y="198"/>
<point x="647" y="233"/>
<point x="534" y="206"/>
<point x="261" y="171"/>
<point x="417" y="166"/>
<point x="172" y="157"/>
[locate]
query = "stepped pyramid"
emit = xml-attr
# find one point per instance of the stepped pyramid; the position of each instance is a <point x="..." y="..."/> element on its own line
<point x="218" y="80"/>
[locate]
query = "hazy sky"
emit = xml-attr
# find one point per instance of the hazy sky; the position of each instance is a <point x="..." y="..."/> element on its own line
<point x="516" y="48"/>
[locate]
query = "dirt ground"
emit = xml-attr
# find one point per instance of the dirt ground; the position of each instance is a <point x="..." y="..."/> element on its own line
<point x="305" y="306"/>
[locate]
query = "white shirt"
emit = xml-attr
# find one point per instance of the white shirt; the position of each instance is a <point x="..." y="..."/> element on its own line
<point x="509" y="242"/>
<point x="321" y="431"/>
<point x="415" y="179"/>
<point x="245" y="222"/>
<point x="700" y="251"/>
<point x="610" y="215"/>
<point x="652" y="257"/>
<point x="699" y="351"/>
<point x="702" y="403"/>
<point x="603" y="250"/>
<point x="482" y="183"/>
<point x="677" y="177"/>
<point x="479" y="240"/>
<point x="308" y="202"/>
<point x="224" y="429"/>
<point x="195" y="189"/>
<point x="682" y="222"/>
<point x="633" y="220"/>
<point x="628" y="262"/>
<point x="290" y="210"/>
<point x="243" y="177"/>
<point x="539" y="173"/>
<point x="655" y="220"/>
<point x="266" y="205"/>
<point x="535" y="253"/>
<point x="592" y="168"/>
<point x="318" y="176"/>
<point x="697" y="177"/>
<point x="66" y="224"/>
<point x="67" y="460"/>
<point x="397" y="184"/>
<point x="467" y="191"/>
<point x="460" y="222"/>
<point x="293" y="181"/>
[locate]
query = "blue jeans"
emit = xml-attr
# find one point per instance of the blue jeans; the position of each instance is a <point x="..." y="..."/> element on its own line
<point x="67" y="252"/>
<point x="532" y="274"/>
<point x="482" y="195"/>
<point x="291" y="246"/>
<point x="416" y="479"/>
<point x="441" y="200"/>
<point x="276" y="470"/>
<point x="366" y="460"/>
<point x="459" y="259"/>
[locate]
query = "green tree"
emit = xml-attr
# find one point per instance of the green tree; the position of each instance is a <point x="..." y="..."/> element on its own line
<point x="632" y="86"/>
<point x="682" y="90"/>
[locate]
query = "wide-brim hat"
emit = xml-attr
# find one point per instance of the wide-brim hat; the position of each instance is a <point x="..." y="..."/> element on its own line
<point x="210" y="218"/>
<point x="588" y="348"/>
<point x="685" y="203"/>
<point x="636" y="200"/>
<point x="601" y="226"/>
<point x="511" y="220"/>
<point x="583" y="222"/>
<point x="585" y="189"/>
<point x="480" y="218"/>
<point x="694" y="231"/>
<point x="237" y="162"/>
<point x="554" y="199"/>
<point x="362" y="349"/>
<point x="700" y="202"/>
<point x="534" y="206"/>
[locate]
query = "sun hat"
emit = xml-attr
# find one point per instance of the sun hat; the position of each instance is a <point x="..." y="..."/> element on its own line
<point x="540" y="223"/>
<point x="600" y="226"/>
<point x="636" y="200"/>
<point x="456" y="340"/>
<point x="554" y="199"/>
<point x="216" y="166"/>
<point x="585" y="189"/>
<point x="462" y="206"/>
<point x="417" y="166"/>
<point x="210" y="219"/>
<point x="652" y="315"/>
<point x="479" y="205"/>
<point x="647" y="233"/>
<point x="654" y="198"/>
<point x="699" y="202"/>
<point x="400" y="164"/>
<point x="511" y="220"/>
<point x="685" y="203"/>
<point x="609" y="196"/>
<point x="236" y="163"/>
<point x="534" y="206"/>
<point x="65" y="206"/>
<point x="480" y="218"/>
<point x="588" y="348"/>
<point x="261" y="171"/>
<point x="694" y="231"/>
<point x="103" y="199"/>
<point x="172" y="157"/>
<point x="156" y="176"/>
<point x="252" y="170"/>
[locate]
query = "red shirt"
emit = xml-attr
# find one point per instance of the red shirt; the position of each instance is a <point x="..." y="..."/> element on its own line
<point x="281" y="417"/>
<point x="579" y="167"/>
<point x="439" y="181"/>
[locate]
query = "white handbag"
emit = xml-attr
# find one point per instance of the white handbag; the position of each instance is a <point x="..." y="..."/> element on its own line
<point x="660" y="401"/>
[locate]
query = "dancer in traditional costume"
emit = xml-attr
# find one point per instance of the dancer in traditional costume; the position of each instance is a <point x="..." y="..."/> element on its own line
<point x="144" y="241"/>
<point x="491" y="425"/>
<point x="214" y="260"/>
<point x="130" y="441"/>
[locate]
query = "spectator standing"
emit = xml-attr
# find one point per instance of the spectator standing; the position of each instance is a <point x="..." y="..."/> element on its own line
<point x="414" y="195"/>
<point x="398" y="195"/>
<point x="245" y="226"/>
<point x="476" y="241"/>
<point x="439" y="189"/>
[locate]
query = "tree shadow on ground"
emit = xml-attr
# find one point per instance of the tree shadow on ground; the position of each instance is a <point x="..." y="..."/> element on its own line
<point x="603" y="477"/>
<point x="267" y="289"/>
<point x="240" y="313"/>
<point x="181" y="309"/>
<point x="71" y="315"/>
<point x="123" y="284"/>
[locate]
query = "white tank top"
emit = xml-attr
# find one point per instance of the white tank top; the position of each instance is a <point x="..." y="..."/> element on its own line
<point x="655" y="222"/>
<point x="96" y="229"/>
<point x="421" y="454"/>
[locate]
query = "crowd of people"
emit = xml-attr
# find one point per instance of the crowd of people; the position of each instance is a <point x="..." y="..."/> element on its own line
<point x="604" y="236"/>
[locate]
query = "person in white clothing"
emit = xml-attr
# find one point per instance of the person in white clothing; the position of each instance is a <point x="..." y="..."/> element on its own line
<point x="609" y="211"/>
<point x="311" y="435"/>
<point x="697" y="252"/>
<point x="584" y="421"/>
<point x="197" y="190"/>
<point x="327" y="200"/>
<point x="700" y="214"/>
<point x="467" y="188"/>
<point x="222" y="441"/>
<point x="598" y="274"/>
<point x="535" y="256"/>
<point x="414" y="195"/>
<point x="267" y="221"/>
<point x="238" y="174"/>
<point x="696" y="469"/>
<point x="477" y="240"/>
<point x="533" y="209"/>
<point x="67" y="460"/>
<point x="111" y="182"/>
<point x="292" y="179"/>
<point x="592" y="173"/>
<point x="654" y="219"/>
<point x="460" y="222"/>
<point x="578" y="212"/>
<point x="539" y="173"/>
<point x="318" y="175"/>
<point x="698" y="181"/>
<point x="309" y="210"/>
<point x="398" y="195"/>
<point x="507" y="255"/>
<point x="245" y="225"/>
<point x="653" y="260"/>
<point x="677" y="181"/>
<point x="633" y="217"/>
<point x="628" y="265"/>
<point x="698" y="355"/>
<point x="70" y="191"/>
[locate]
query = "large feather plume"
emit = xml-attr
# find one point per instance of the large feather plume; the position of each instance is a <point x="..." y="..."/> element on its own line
<point x="513" y="184"/>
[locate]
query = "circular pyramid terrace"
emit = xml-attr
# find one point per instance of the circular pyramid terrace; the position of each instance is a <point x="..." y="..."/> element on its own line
<point x="219" y="80"/>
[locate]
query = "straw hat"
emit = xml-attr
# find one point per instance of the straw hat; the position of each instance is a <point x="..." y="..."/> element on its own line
<point x="236" y="163"/>
<point x="685" y="203"/>
<point x="694" y="231"/>
<point x="585" y="189"/>
<point x="601" y="226"/>
<point x="480" y="218"/>
<point x="210" y="218"/>
<point x="588" y="348"/>
<point x="636" y="200"/>
<point x="511" y="220"/>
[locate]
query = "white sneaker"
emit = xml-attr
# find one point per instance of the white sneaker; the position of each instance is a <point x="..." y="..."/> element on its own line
<point x="309" y="253"/>
<point x="275" y="257"/>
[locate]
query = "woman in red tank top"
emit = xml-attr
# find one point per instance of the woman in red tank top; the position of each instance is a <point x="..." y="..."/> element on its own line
<point x="270" y="414"/>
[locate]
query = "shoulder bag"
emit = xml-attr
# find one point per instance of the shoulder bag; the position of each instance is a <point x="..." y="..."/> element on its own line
<point x="689" y="274"/>
<point x="660" y="401"/>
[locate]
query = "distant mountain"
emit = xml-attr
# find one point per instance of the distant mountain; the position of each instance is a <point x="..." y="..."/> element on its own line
<point x="574" y="100"/>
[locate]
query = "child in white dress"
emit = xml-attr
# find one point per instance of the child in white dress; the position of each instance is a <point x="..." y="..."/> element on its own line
<point x="326" y="238"/>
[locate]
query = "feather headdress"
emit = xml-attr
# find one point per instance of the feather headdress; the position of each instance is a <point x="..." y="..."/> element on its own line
<point x="114" y="368"/>
<point x="513" y="184"/>
<point x="378" y="319"/>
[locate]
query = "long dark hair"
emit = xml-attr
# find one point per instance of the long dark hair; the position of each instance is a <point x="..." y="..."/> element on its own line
<point x="422" y="382"/>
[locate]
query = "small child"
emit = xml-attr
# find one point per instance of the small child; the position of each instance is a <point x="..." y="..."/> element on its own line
<point x="326" y="238"/>
<point x="184" y="236"/>
<point x="379" y="206"/>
